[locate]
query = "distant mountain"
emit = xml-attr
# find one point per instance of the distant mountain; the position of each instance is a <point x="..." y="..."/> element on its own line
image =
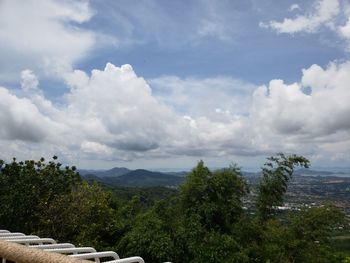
<point x="181" y="174"/>
<point x="309" y="172"/>
<point x="84" y="172"/>
<point x="90" y="177"/>
<point x="120" y="176"/>
<point x="134" y="178"/>
<point x="147" y="178"/>
<point x="114" y="172"/>
<point x="303" y="172"/>
<point x="117" y="171"/>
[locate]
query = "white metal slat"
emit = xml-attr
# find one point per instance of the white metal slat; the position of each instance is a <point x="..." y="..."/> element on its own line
<point x="37" y="241"/>
<point x="11" y="234"/>
<point x="74" y="251"/>
<point x="127" y="260"/>
<point x="50" y="246"/>
<point x="97" y="255"/>
<point x="17" y="237"/>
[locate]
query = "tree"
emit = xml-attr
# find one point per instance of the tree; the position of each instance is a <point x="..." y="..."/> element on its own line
<point x="310" y="232"/>
<point x="204" y="222"/>
<point x="215" y="197"/>
<point x="26" y="188"/>
<point x="273" y="184"/>
<point x="83" y="216"/>
<point x="211" y="205"/>
<point x="153" y="235"/>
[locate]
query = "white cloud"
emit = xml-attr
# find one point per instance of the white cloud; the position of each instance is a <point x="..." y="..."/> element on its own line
<point x="213" y="28"/>
<point x="116" y="107"/>
<point x="294" y="7"/>
<point x="42" y="35"/>
<point x="322" y="14"/>
<point x="329" y="14"/>
<point x="202" y="97"/>
<point x="216" y="22"/>
<point x="21" y="120"/>
<point x="344" y="30"/>
<point x="96" y="148"/>
<point x="28" y="80"/>
<point x="114" y="115"/>
<point x="322" y="116"/>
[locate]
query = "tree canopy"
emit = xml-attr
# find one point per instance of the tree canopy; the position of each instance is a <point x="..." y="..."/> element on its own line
<point x="276" y="173"/>
<point x="204" y="221"/>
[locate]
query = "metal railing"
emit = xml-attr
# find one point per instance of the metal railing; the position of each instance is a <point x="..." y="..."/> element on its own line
<point x="21" y="248"/>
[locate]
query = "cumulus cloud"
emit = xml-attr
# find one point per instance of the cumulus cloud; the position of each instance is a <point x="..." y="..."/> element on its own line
<point x="42" y="35"/>
<point x="115" y="114"/>
<point x="28" y="80"/>
<point x="21" y="120"/>
<point x="120" y="106"/>
<point x="112" y="114"/>
<point x="322" y="14"/>
<point x="320" y="116"/>
<point x="119" y="110"/>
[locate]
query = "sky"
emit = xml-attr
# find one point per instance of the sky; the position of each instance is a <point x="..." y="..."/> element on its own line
<point x="162" y="84"/>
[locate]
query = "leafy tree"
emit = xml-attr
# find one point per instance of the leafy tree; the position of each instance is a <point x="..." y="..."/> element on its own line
<point x="275" y="175"/>
<point x="203" y="222"/>
<point x="211" y="205"/>
<point x="217" y="247"/>
<point x="202" y="245"/>
<point x="215" y="197"/>
<point x="153" y="235"/>
<point x="26" y="188"/>
<point x="83" y="216"/>
<point x="310" y="234"/>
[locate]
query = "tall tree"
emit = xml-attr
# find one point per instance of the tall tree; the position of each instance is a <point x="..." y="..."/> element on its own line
<point x="28" y="187"/>
<point x="211" y="205"/>
<point x="215" y="197"/>
<point x="83" y="216"/>
<point x="276" y="173"/>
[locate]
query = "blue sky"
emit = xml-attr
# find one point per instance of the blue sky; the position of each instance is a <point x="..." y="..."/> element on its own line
<point x="169" y="44"/>
<point x="162" y="84"/>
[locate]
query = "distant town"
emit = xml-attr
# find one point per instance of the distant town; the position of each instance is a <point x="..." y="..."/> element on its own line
<point x="308" y="188"/>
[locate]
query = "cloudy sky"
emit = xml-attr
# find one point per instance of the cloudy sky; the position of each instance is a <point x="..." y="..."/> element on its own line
<point x="162" y="84"/>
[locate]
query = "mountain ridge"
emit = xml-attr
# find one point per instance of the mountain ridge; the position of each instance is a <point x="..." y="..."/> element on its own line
<point x="121" y="176"/>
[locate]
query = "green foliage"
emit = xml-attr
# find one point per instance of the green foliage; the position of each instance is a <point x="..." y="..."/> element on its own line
<point x="304" y="237"/>
<point x="211" y="205"/>
<point x="275" y="176"/>
<point x="152" y="235"/>
<point x="83" y="216"/>
<point x="147" y="196"/>
<point x="216" y="197"/>
<point x="311" y="232"/>
<point x="202" y="222"/>
<point x="26" y="188"/>
<point x="216" y="247"/>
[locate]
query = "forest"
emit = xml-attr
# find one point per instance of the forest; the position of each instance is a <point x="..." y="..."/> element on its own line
<point x="203" y="221"/>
